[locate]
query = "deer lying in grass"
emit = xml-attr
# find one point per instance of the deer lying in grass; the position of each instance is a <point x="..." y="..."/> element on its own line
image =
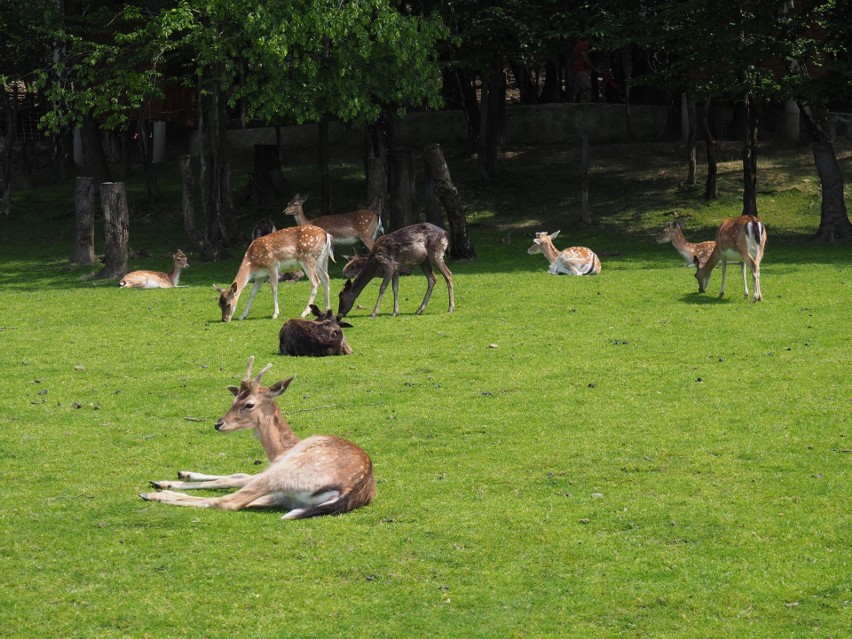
<point x="740" y="239"/>
<point x="345" y="228"/>
<point x="577" y="260"/>
<point x="314" y="338"/>
<point x="673" y="232"/>
<point x="156" y="279"/>
<point x="423" y="244"/>
<point x="320" y="475"/>
<point x="305" y="246"/>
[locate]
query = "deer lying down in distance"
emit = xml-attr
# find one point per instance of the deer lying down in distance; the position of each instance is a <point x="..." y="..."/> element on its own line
<point x="314" y="338"/>
<point x="267" y="256"/>
<point x="423" y="244"/>
<point x="739" y="239"/>
<point x="320" y="475"/>
<point x="156" y="279"/>
<point x="345" y="228"/>
<point x="673" y="232"/>
<point x="577" y="260"/>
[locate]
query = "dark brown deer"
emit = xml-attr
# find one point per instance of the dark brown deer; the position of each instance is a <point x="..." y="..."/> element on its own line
<point x="422" y="244"/>
<point x="314" y="338"/>
<point x="320" y="475"/>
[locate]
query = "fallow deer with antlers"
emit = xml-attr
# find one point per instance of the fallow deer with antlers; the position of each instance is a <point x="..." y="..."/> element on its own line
<point x="740" y="239"/>
<point x="345" y="228"/>
<point x="673" y="232"/>
<point x="422" y="244"/>
<point x="284" y="250"/>
<point x="156" y="279"/>
<point x="577" y="260"/>
<point x="320" y="475"/>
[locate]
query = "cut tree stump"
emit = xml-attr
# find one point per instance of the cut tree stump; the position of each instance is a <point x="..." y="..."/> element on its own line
<point x="116" y="234"/>
<point x="84" y="214"/>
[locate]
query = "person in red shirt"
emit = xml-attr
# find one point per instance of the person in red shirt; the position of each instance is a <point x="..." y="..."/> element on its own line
<point x="582" y="66"/>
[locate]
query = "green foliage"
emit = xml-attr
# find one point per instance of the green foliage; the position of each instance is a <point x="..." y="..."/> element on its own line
<point x="611" y="456"/>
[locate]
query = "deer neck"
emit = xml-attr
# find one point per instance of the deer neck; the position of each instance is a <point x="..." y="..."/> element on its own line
<point x="683" y="247"/>
<point x="174" y="275"/>
<point x="301" y="218"/>
<point x="549" y="251"/>
<point x="274" y="433"/>
<point x="367" y="273"/>
<point x="242" y="277"/>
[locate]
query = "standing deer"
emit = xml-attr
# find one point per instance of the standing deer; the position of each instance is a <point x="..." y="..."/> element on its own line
<point x="673" y="232"/>
<point x="345" y="228"/>
<point x="307" y="246"/>
<point x="577" y="260"/>
<point x="738" y="238"/>
<point x="320" y="475"/>
<point x="423" y="244"/>
<point x="156" y="279"/>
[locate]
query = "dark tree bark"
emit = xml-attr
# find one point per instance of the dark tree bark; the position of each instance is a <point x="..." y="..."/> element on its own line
<point x="84" y="214"/>
<point x="93" y="150"/>
<point x="461" y="91"/>
<point x="11" y="105"/>
<point x="377" y="141"/>
<point x="116" y="233"/>
<point x="585" y="212"/>
<point x="627" y="67"/>
<point x="266" y="182"/>
<point x="527" y="90"/>
<point x="749" y="156"/>
<point x="402" y="212"/>
<point x="430" y="196"/>
<point x="461" y="247"/>
<point x="325" y="177"/>
<point x="552" y="89"/>
<point x="711" y="187"/>
<point x="492" y="118"/>
<point x="146" y="152"/>
<point x="691" y="137"/>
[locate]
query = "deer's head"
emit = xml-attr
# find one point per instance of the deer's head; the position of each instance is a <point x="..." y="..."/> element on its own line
<point x="227" y="301"/>
<point x="252" y="402"/>
<point x="542" y="238"/>
<point x="702" y="274"/>
<point x="294" y="206"/>
<point x="670" y="231"/>
<point x="180" y="259"/>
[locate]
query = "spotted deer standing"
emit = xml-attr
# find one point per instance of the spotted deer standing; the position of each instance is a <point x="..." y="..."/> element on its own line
<point x="320" y="475"/>
<point x="156" y="279"/>
<point x="308" y="247"/>
<point x="739" y="239"/>
<point x="345" y="228"/>
<point x="422" y="244"/>
<point x="577" y="260"/>
<point x="673" y="232"/>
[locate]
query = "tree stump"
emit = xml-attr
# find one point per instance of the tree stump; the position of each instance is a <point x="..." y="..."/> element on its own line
<point x="402" y="211"/>
<point x="84" y="214"/>
<point x="461" y="247"/>
<point x="433" y="202"/>
<point x="116" y="234"/>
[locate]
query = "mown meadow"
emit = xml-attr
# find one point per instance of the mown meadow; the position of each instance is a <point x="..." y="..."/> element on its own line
<point x="611" y="456"/>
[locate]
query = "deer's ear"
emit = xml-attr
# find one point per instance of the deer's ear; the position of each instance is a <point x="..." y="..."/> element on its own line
<point x="234" y="390"/>
<point x="341" y="323"/>
<point x="554" y="235"/>
<point x="279" y="387"/>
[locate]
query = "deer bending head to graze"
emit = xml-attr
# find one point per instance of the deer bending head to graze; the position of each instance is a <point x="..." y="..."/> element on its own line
<point x="673" y="232"/>
<point x="355" y="264"/>
<point x="314" y="338"/>
<point x="264" y="226"/>
<point x="423" y="244"/>
<point x="345" y="228"/>
<point x="320" y="475"/>
<point x="577" y="260"/>
<point x="156" y="279"/>
<point x="739" y="239"/>
<point x="284" y="250"/>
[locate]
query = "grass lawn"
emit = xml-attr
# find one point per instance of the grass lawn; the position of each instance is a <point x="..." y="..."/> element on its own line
<point x="611" y="456"/>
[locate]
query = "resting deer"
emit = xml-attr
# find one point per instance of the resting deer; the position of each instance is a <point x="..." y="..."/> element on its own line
<point x="738" y="239"/>
<point x="577" y="260"/>
<point x="320" y="475"/>
<point x="314" y="338"/>
<point x="673" y="232"/>
<point x="423" y="244"/>
<point x="284" y="250"/>
<point x="156" y="279"/>
<point x="345" y="228"/>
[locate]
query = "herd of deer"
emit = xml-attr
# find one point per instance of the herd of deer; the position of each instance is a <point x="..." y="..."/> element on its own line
<point x="324" y="474"/>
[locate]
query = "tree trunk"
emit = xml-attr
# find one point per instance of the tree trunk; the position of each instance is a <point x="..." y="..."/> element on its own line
<point x="585" y="212"/>
<point x="492" y="117"/>
<point x="463" y="84"/>
<point x="749" y="156"/>
<point x="402" y="212"/>
<point x="11" y="104"/>
<point x="377" y="140"/>
<point x="265" y="183"/>
<point x="627" y="66"/>
<point x="691" y="135"/>
<point x="146" y="152"/>
<point x="527" y="90"/>
<point x="84" y="214"/>
<point x="116" y="234"/>
<point x="551" y="90"/>
<point x="325" y="177"/>
<point x="93" y="150"/>
<point x="711" y="187"/>
<point x="430" y="195"/>
<point x="461" y="247"/>
<point x="834" y="220"/>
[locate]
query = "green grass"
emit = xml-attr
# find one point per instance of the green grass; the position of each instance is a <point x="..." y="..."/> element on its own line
<point x="615" y="456"/>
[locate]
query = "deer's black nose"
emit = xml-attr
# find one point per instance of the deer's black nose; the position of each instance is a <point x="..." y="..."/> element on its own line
<point x="218" y="425"/>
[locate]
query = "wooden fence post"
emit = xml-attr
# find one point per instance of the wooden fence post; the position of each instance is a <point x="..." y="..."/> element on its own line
<point x="84" y="214"/>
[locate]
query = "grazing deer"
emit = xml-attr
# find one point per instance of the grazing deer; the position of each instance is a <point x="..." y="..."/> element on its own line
<point x="355" y="263"/>
<point x="423" y="244"/>
<point x="264" y="226"/>
<point x="308" y="246"/>
<point x="673" y="232"/>
<point x="577" y="260"/>
<point x="738" y="239"/>
<point x="314" y="338"/>
<point x="345" y="228"/>
<point x="320" y="475"/>
<point x="156" y="279"/>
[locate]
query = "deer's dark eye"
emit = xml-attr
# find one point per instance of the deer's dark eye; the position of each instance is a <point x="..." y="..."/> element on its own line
<point x="248" y="406"/>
